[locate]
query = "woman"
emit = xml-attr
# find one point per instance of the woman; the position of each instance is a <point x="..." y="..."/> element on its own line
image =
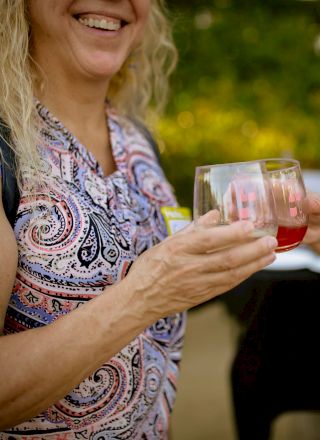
<point x="92" y="318"/>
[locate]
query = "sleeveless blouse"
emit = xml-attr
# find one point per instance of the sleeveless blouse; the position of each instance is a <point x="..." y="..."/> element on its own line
<point x="74" y="240"/>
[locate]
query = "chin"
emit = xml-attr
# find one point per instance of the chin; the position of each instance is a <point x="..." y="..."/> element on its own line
<point x="102" y="68"/>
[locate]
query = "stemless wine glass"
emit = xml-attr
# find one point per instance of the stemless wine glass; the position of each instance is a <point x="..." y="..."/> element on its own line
<point x="236" y="191"/>
<point x="290" y="201"/>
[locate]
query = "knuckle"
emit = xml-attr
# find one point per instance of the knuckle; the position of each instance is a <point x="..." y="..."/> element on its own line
<point x="230" y="261"/>
<point x="198" y="242"/>
<point x="234" y="276"/>
<point x="198" y="236"/>
<point x="243" y="229"/>
<point x="196" y="269"/>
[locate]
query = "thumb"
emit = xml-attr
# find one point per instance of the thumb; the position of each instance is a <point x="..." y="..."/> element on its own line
<point x="211" y="218"/>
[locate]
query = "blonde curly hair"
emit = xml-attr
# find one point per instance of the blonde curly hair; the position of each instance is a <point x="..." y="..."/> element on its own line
<point x="142" y="79"/>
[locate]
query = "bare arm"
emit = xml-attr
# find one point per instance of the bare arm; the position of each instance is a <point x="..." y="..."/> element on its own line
<point x="66" y="351"/>
<point x="8" y="263"/>
<point x="182" y="271"/>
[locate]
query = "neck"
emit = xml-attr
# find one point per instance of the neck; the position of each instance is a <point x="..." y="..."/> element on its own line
<point x="78" y="103"/>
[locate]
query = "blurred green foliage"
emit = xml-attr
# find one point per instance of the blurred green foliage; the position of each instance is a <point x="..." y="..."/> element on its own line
<point x="247" y="86"/>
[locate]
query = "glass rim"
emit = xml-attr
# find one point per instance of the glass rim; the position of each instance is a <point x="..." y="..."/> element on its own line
<point x="294" y="163"/>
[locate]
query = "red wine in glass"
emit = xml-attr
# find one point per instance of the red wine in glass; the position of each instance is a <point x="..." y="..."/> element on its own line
<point x="290" y="237"/>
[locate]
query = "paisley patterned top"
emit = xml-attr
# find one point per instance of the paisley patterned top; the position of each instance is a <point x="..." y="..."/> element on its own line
<point x="74" y="242"/>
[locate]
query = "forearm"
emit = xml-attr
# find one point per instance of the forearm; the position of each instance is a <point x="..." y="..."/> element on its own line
<point x="40" y="366"/>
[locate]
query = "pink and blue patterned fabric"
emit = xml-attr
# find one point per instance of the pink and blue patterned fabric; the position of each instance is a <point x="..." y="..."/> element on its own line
<point x="74" y="242"/>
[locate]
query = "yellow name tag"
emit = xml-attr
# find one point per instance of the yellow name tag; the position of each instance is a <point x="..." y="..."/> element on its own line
<point x="176" y="218"/>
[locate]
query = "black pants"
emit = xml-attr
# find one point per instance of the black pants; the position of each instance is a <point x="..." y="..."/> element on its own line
<point x="276" y="367"/>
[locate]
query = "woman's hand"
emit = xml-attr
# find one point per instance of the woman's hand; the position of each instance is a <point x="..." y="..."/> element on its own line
<point x="312" y="237"/>
<point x="196" y="265"/>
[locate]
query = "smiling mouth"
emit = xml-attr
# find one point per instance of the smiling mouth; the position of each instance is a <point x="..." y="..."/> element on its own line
<point x="100" y="22"/>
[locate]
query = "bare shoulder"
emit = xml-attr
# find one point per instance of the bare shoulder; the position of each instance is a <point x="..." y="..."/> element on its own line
<point x="8" y="261"/>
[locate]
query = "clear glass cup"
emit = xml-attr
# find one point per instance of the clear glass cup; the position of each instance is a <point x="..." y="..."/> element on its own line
<point x="290" y="201"/>
<point x="270" y="193"/>
<point x="236" y="191"/>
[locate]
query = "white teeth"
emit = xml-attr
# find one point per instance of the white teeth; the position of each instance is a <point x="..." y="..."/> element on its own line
<point x="101" y="24"/>
<point x="104" y="24"/>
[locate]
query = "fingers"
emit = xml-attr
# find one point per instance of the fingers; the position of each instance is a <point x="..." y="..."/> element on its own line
<point x="211" y="218"/>
<point x="313" y="204"/>
<point x="315" y="246"/>
<point x="217" y="283"/>
<point x="211" y="238"/>
<point x="233" y="257"/>
<point x="232" y="277"/>
<point x="312" y="237"/>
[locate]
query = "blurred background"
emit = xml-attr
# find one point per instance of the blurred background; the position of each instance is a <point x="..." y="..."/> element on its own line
<point x="247" y="86"/>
